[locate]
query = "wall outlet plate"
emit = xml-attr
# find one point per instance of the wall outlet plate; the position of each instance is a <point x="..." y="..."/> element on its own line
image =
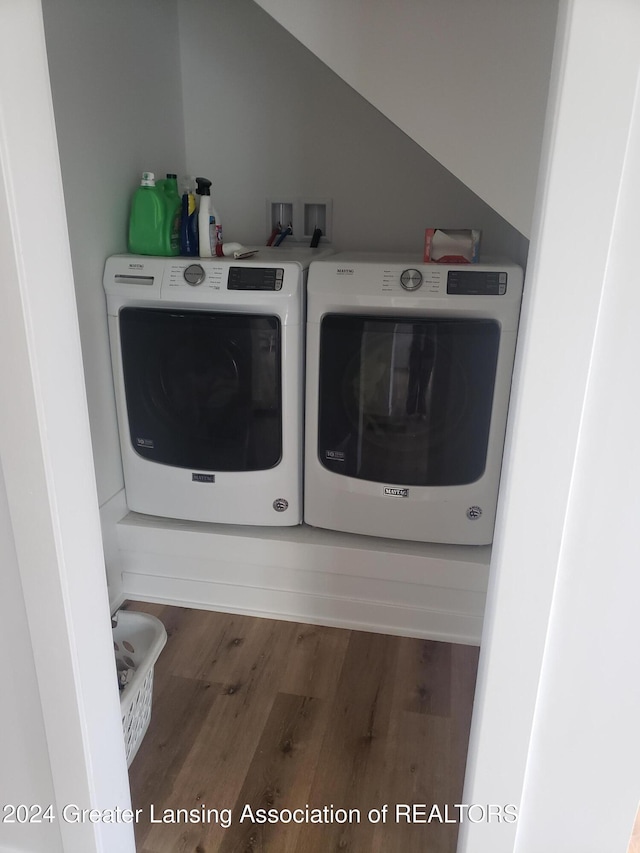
<point x="303" y="214"/>
<point x="280" y="210"/>
<point x="317" y="213"/>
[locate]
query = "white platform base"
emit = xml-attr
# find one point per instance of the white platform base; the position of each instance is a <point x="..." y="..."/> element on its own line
<point x="111" y="512"/>
<point x="309" y="575"/>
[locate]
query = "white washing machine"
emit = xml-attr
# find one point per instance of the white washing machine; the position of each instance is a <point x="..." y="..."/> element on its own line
<point x="208" y="358"/>
<point x="408" y="379"/>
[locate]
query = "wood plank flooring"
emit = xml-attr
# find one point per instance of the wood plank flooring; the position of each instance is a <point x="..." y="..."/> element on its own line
<point x="255" y="714"/>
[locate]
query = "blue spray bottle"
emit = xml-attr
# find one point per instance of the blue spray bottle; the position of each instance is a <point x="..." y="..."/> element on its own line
<point x="189" y="220"/>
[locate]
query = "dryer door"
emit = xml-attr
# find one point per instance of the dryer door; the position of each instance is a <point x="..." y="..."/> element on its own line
<point x="203" y="389"/>
<point x="406" y="400"/>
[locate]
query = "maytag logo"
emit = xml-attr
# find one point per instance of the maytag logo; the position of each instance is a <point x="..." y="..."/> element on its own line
<point x="136" y="266"/>
<point x="396" y="493"/>
<point x="345" y="271"/>
<point x="203" y="478"/>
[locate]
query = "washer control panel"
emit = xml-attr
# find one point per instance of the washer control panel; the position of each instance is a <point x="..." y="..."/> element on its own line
<point x="215" y="276"/>
<point x="255" y="278"/>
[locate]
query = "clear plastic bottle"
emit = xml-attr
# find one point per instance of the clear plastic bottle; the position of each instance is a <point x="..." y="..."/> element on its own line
<point x="218" y="230"/>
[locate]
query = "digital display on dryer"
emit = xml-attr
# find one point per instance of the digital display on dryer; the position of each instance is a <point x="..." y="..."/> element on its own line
<point x="476" y="283"/>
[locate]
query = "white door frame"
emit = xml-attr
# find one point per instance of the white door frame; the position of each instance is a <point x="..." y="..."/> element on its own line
<point x="45" y="451"/>
<point x="555" y="728"/>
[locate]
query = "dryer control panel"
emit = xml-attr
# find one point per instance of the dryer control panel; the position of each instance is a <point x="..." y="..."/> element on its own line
<point x="459" y="282"/>
<point x="477" y="283"/>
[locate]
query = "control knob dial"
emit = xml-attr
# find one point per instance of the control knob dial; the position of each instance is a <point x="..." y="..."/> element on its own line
<point x="411" y="279"/>
<point x="194" y="275"/>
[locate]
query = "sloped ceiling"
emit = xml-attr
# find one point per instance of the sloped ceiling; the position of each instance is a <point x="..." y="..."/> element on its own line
<point x="467" y="80"/>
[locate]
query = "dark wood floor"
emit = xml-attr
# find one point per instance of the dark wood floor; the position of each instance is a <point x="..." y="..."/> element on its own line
<point x="266" y="714"/>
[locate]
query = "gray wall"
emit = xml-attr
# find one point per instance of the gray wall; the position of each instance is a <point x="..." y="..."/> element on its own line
<point x="264" y="117"/>
<point x="467" y="80"/>
<point x="115" y="78"/>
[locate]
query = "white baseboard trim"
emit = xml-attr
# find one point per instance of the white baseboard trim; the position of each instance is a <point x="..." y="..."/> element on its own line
<point x="116" y="603"/>
<point x="307" y="575"/>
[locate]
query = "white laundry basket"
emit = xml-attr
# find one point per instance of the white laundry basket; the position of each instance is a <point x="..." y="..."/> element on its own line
<point x="138" y="639"/>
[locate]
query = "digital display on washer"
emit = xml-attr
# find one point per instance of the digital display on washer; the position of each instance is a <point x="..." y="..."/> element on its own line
<point x="255" y="278"/>
<point x="476" y="283"/>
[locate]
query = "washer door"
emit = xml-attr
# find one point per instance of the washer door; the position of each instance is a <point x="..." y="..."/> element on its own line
<point x="203" y="389"/>
<point x="406" y="400"/>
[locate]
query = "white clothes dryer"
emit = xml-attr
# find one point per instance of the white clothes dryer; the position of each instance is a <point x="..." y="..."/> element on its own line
<point x="408" y="379"/>
<point x="207" y="359"/>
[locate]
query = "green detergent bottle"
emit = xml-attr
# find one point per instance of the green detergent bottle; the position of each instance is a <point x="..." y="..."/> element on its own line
<point x="150" y="221"/>
<point x="169" y="186"/>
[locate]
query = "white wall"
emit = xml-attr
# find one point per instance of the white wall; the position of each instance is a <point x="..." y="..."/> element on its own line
<point x="25" y="771"/>
<point x="555" y="726"/>
<point x="466" y="80"/>
<point x="598" y="576"/>
<point x="264" y="118"/>
<point x="115" y="78"/>
<point x="588" y="705"/>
